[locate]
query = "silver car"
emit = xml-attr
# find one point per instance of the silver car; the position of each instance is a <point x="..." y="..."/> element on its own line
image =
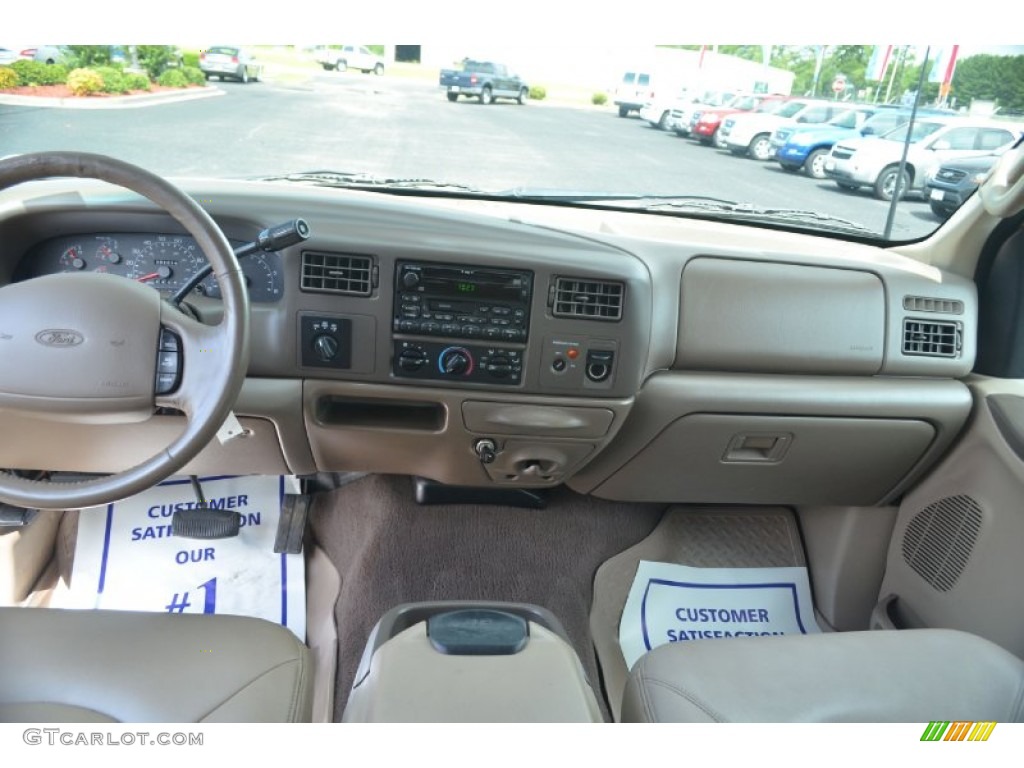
<point x="229" y="61"/>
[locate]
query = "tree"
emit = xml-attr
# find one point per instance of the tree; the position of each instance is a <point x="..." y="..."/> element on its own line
<point x="993" y="78"/>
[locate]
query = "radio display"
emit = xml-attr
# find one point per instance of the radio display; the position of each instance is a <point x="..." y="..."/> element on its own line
<point x="509" y="289"/>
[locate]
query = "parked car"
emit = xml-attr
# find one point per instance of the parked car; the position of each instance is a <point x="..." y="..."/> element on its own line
<point x="805" y="147"/>
<point x="657" y="111"/>
<point x="750" y="133"/>
<point x="230" y="61"/>
<point x="955" y="181"/>
<point x="13" y="53"/>
<point x="53" y="54"/>
<point x="874" y="162"/>
<point x="681" y="115"/>
<point x="704" y="123"/>
<point x="345" y="57"/>
<point x="483" y="80"/>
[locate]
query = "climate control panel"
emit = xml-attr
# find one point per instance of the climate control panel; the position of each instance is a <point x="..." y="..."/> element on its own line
<point x="467" y="363"/>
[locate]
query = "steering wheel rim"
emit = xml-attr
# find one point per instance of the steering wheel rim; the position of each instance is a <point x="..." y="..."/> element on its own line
<point x="213" y="363"/>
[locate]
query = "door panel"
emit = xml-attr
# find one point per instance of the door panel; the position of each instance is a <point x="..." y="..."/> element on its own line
<point x="955" y="557"/>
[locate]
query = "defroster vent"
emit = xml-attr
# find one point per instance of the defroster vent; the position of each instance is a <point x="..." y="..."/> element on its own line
<point x="590" y="299"/>
<point x="930" y="338"/>
<point x="344" y="273"/>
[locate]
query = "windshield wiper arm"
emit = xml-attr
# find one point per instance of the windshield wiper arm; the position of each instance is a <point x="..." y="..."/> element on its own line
<point x="355" y="180"/>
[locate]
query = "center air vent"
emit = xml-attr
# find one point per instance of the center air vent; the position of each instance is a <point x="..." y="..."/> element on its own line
<point x="930" y="338"/>
<point x="337" y="273"/>
<point x="591" y="299"/>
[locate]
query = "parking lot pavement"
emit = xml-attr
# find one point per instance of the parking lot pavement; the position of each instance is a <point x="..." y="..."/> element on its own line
<point x="394" y="126"/>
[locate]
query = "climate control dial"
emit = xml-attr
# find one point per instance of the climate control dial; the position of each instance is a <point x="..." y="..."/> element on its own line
<point x="455" y="361"/>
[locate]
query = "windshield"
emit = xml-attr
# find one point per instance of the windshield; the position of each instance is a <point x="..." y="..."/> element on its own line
<point x="566" y="124"/>
<point x="847" y="119"/>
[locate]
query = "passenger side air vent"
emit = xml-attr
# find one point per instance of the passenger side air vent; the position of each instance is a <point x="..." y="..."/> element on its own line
<point x="925" y="304"/>
<point x="940" y="538"/>
<point x="343" y="273"/>
<point x="931" y="339"/>
<point x="590" y="299"/>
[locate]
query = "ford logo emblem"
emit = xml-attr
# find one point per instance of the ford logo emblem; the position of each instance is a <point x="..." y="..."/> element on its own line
<point x="56" y="337"/>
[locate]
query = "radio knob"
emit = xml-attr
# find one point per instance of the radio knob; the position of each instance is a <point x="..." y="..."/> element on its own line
<point x="410" y="279"/>
<point x="412" y="359"/>
<point x="455" y="361"/>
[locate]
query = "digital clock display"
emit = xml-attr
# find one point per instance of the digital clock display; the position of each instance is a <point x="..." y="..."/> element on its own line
<point x="465" y="287"/>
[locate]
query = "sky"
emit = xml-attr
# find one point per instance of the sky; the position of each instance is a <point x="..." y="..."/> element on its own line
<point x="538" y="21"/>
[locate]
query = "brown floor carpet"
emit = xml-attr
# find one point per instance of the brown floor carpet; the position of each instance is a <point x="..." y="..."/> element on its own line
<point x="389" y="550"/>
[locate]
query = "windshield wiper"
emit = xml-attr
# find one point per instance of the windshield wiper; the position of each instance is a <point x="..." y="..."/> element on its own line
<point x="705" y="204"/>
<point x="353" y="180"/>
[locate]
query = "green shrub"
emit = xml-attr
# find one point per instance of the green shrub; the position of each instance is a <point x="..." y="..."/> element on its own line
<point x="8" y="78"/>
<point x="93" y="56"/>
<point x="538" y="92"/>
<point x="136" y="81"/>
<point x="38" y="73"/>
<point x="155" y="59"/>
<point x="84" y="82"/>
<point x="173" y="78"/>
<point x="194" y="75"/>
<point x="598" y="99"/>
<point x="113" y="79"/>
<point x="190" y="59"/>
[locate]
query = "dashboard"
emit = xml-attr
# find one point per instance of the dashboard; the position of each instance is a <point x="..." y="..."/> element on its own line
<point x="630" y="356"/>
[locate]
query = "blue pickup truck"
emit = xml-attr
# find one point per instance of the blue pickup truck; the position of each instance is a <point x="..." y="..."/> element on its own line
<point x="484" y="80"/>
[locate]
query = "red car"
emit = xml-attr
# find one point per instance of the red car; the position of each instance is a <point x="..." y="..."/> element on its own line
<point x="704" y="125"/>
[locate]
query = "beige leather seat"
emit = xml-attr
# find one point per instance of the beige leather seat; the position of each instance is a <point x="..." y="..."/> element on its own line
<point x="119" y="666"/>
<point x="882" y="676"/>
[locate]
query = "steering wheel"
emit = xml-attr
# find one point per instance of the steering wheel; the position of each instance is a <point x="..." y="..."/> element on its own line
<point x="87" y="347"/>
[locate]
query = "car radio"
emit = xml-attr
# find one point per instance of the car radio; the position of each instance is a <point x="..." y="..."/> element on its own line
<point x="457" y="302"/>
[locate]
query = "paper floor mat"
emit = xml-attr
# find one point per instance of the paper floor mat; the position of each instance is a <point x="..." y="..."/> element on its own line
<point x="127" y="559"/>
<point x="733" y="538"/>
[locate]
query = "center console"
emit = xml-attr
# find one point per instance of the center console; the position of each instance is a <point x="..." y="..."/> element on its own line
<point x="470" y="662"/>
<point x="480" y="317"/>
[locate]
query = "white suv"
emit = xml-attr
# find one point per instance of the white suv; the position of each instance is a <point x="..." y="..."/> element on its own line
<point x="874" y="162"/>
<point x="749" y="133"/>
<point x="350" y="57"/>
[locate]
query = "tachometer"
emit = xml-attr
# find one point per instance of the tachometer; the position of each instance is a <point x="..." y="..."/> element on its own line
<point x="263" y="278"/>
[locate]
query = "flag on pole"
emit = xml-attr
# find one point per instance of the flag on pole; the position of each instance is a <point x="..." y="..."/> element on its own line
<point x="944" y="66"/>
<point x="878" y="63"/>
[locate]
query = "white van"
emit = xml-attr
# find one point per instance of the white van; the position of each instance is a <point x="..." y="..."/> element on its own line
<point x="633" y="91"/>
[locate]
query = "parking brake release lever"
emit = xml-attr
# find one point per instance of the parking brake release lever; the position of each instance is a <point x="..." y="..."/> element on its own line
<point x="270" y="239"/>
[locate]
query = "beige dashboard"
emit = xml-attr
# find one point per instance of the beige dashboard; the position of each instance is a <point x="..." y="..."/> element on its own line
<point x="654" y="358"/>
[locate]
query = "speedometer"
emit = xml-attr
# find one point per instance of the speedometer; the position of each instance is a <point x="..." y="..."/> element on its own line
<point x="165" y="261"/>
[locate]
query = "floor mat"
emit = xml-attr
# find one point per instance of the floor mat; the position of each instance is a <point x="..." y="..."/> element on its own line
<point x="388" y="551"/>
<point x="699" y="537"/>
<point x="126" y="558"/>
